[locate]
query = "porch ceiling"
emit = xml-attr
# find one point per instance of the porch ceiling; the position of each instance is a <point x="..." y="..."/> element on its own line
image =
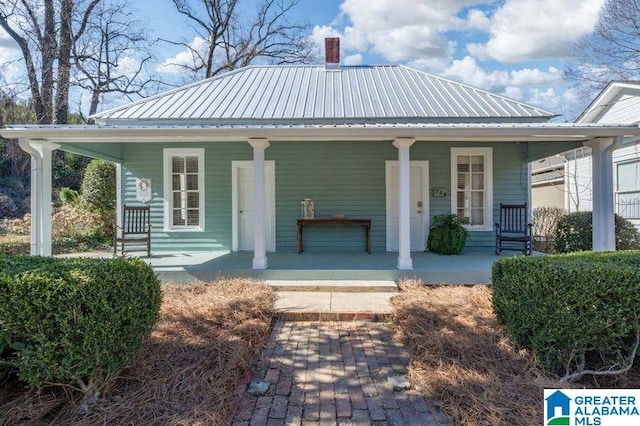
<point x="459" y="132"/>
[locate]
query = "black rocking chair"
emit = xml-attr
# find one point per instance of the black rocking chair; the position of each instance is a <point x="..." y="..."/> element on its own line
<point x="135" y="230"/>
<point x="513" y="232"/>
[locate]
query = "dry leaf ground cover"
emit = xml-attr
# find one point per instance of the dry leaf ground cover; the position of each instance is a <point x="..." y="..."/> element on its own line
<point x="205" y="341"/>
<point x="463" y="360"/>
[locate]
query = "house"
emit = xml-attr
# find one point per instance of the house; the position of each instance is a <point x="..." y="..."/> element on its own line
<point x="619" y="102"/>
<point x="548" y="182"/>
<point x="230" y="159"/>
<point x="558" y="400"/>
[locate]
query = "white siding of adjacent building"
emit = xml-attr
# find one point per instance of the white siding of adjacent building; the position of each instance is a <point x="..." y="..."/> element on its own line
<point x="578" y="181"/>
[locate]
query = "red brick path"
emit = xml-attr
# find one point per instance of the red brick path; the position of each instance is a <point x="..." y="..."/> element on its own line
<point x="333" y="373"/>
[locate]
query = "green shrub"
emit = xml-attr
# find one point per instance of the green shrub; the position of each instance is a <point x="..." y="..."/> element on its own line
<point x="80" y="320"/>
<point x="98" y="190"/>
<point x="575" y="233"/>
<point x="447" y="235"/>
<point x="68" y="196"/>
<point x="572" y="308"/>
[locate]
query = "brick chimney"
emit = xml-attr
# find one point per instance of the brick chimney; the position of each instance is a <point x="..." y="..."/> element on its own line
<point x="332" y="52"/>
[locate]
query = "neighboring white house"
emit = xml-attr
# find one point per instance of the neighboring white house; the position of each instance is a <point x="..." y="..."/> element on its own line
<point x="619" y="102"/>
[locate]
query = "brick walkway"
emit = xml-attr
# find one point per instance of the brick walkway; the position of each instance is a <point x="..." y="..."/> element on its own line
<point x="333" y="373"/>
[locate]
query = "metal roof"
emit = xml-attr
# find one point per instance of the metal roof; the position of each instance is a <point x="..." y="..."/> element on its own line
<point x="472" y="132"/>
<point x="316" y="94"/>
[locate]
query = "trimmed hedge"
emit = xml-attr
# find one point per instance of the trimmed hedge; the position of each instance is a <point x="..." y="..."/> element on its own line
<point x="80" y="321"/>
<point x="574" y="232"/>
<point x="571" y="308"/>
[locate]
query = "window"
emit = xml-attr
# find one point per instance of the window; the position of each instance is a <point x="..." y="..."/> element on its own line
<point x="472" y="186"/>
<point x="184" y="189"/>
<point x="628" y="190"/>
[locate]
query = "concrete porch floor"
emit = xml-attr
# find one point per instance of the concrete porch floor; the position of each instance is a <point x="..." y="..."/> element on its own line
<point x="468" y="268"/>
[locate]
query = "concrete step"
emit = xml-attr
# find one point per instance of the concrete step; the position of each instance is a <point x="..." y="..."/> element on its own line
<point x="337" y="286"/>
<point x="325" y="302"/>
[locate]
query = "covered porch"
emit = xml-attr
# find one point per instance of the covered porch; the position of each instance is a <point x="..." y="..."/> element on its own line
<point x="468" y="268"/>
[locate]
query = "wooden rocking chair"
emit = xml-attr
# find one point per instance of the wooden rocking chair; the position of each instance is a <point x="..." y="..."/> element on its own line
<point x="514" y="229"/>
<point x="135" y="230"/>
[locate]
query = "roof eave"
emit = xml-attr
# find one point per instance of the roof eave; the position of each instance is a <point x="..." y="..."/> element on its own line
<point x="439" y="133"/>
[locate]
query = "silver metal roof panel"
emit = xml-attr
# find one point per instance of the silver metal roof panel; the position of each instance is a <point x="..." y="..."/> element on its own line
<point x="304" y="93"/>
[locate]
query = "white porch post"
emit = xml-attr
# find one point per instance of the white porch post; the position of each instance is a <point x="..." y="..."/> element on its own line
<point x="404" y="207"/>
<point x="41" y="212"/>
<point x="259" y="203"/>
<point x="119" y="198"/>
<point x="604" y="238"/>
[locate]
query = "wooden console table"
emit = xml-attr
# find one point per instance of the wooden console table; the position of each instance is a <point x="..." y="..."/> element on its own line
<point x="366" y="223"/>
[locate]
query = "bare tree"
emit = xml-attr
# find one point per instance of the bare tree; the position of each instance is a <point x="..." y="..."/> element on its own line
<point x="45" y="31"/>
<point x="611" y="51"/>
<point x="111" y="55"/>
<point x="229" y="41"/>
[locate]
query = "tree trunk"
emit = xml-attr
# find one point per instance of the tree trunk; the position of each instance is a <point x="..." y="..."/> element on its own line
<point x="64" y="62"/>
<point x="49" y="50"/>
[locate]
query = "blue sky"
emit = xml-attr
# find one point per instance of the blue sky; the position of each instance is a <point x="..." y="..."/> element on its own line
<point x="517" y="48"/>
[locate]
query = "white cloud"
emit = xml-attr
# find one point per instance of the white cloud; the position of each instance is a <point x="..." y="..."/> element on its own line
<point x="476" y="19"/>
<point x="523" y="30"/>
<point x="542" y="88"/>
<point x="186" y="57"/>
<point x="353" y="59"/>
<point x="402" y="30"/>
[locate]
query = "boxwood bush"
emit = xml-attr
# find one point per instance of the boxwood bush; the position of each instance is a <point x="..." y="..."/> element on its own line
<point x="74" y="321"/>
<point x="574" y="232"/>
<point x="576" y="311"/>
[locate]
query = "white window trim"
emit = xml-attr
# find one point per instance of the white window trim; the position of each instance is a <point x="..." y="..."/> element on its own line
<point x="168" y="200"/>
<point x="487" y="152"/>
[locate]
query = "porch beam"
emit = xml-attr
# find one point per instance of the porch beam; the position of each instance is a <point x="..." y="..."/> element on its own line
<point x="404" y="206"/>
<point x="259" y="203"/>
<point x="604" y="238"/>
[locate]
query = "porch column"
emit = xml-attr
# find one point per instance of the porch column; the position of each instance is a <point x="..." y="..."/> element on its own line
<point x="404" y="207"/>
<point x="41" y="212"/>
<point x="259" y="203"/>
<point x="604" y="238"/>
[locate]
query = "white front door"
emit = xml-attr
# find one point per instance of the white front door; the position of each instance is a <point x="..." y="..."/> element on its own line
<point x="419" y="195"/>
<point x="242" y="202"/>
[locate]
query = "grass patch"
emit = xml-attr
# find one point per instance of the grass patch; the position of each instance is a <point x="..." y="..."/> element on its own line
<point x="21" y="244"/>
<point x="205" y="341"/>
<point x="461" y="357"/>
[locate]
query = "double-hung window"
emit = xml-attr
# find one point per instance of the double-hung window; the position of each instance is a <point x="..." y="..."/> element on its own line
<point x="184" y="189"/>
<point x="472" y="186"/>
<point x="628" y="189"/>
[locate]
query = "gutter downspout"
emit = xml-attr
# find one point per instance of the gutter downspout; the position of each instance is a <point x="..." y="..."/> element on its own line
<point x="36" y="192"/>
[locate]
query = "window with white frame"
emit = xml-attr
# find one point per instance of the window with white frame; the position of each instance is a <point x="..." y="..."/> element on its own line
<point x="184" y="189"/>
<point x="472" y="186"/>
<point x="628" y="189"/>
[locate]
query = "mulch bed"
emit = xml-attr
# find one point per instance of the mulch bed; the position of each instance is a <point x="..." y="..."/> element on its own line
<point x="206" y="340"/>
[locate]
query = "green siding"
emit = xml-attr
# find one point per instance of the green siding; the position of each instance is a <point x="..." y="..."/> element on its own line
<point x="341" y="177"/>
<point x="540" y="150"/>
<point x="104" y="151"/>
<point x="145" y="160"/>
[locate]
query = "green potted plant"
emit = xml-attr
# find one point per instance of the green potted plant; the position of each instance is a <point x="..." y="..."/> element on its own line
<point x="447" y="235"/>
